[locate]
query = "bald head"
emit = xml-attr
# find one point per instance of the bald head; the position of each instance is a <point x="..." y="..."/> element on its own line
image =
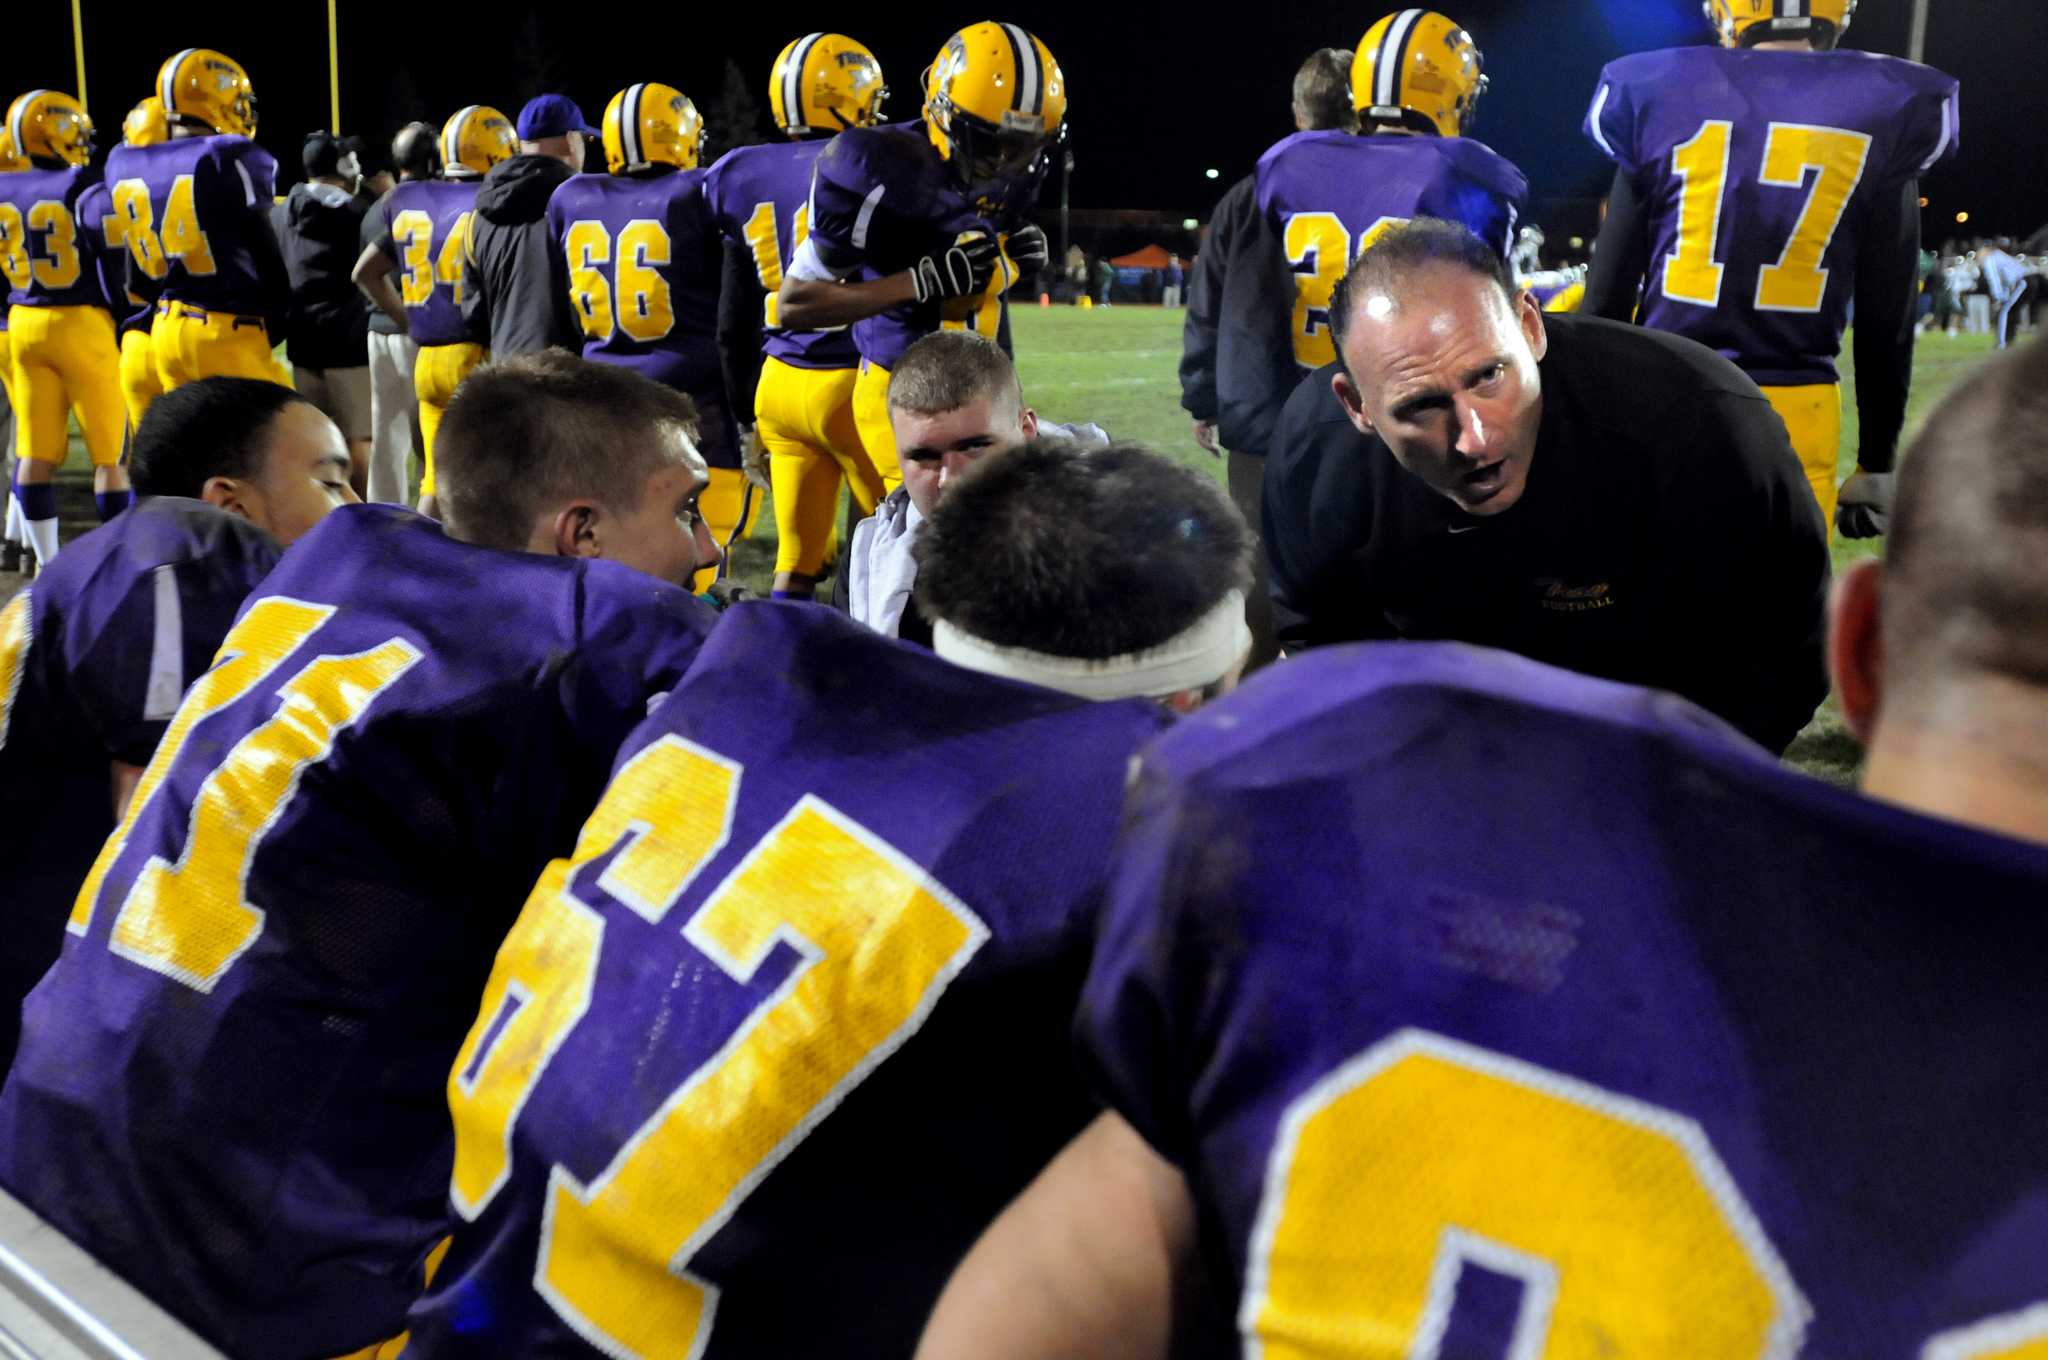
<point x="1966" y="564"/>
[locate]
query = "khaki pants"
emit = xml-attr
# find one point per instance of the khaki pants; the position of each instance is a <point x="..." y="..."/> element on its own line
<point x="394" y="418"/>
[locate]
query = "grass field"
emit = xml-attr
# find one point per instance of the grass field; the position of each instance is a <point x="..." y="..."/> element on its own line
<point x="1117" y="366"/>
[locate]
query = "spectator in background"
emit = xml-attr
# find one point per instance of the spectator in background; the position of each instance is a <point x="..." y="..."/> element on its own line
<point x="1175" y="278"/>
<point x="515" y="293"/>
<point x="373" y="167"/>
<point x="394" y="406"/>
<point x="2005" y="278"/>
<point x="319" y="232"/>
<point x="1105" y="279"/>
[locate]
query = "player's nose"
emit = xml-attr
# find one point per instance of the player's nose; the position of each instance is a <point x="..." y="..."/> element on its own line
<point x="1473" y="433"/>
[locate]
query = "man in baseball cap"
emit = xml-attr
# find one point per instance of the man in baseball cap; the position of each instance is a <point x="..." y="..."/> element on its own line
<point x="513" y="296"/>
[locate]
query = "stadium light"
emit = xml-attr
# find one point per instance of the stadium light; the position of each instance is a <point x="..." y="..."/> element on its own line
<point x="1961" y="218"/>
<point x="1578" y="242"/>
<point x="1189" y="223"/>
<point x="1923" y="200"/>
<point x="1212" y="173"/>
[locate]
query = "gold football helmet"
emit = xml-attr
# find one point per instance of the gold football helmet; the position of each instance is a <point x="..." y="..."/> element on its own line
<point x="10" y="159"/>
<point x="208" y="88"/>
<point x="826" y="83"/>
<point x="649" y="125"/>
<point x="1740" y="23"/>
<point x="994" y="100"/>
<point x="1417" y="69"/>
<point x="145" y="124"/>
<point x="47" y="125"/>
<point x="474" y="140"/>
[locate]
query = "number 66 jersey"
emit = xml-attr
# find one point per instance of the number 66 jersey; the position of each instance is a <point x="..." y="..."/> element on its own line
<point x="794" y="1022"/>
<point x="1493" y="1011"/>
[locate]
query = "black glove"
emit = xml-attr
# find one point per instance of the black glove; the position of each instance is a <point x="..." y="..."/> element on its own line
<point x="961" y="270"/>
<point x="1028" y="250"/>
<point x="1864" y="505"/>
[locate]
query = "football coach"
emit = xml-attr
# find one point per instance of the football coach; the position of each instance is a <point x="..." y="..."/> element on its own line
<point x="1609" y="499"/>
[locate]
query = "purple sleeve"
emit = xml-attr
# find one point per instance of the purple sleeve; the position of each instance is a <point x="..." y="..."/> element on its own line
<point x="845" y="199"/>
<point x="636" y="637"/>
<point x="1930" y="126"/>
<point x="1611" y="120"/>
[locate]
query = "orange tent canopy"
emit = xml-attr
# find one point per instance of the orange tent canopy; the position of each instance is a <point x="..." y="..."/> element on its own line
<point x="1150" y="257"/>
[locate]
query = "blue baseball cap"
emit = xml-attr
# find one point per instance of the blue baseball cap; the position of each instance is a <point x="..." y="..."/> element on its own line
<point x="552" y="115"/>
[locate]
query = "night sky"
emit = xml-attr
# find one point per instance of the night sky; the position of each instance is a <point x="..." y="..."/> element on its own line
<point x="1157" y="99"/>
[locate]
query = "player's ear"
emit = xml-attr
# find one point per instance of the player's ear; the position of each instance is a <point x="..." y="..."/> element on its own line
<point x="231" y="494"/>
<point x="578" y="530"/>
<point x="1352" y="400"/>
<point x="1856" y="646"/>
<point x="1529" y="313"/>
<point x="1027" y="423"/>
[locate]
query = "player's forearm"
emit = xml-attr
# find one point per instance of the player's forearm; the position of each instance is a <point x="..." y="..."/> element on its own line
<point x="372" y="275"/>
<point x="1620" y="255"/>
<point x="811" y="304"/>
<point x="1887" y="293"/>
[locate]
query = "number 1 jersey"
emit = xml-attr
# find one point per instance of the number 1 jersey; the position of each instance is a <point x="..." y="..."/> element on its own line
<point x="760" y="196"/>
<point x="1493" y="1010"/>
<point x="1759" y="169"/>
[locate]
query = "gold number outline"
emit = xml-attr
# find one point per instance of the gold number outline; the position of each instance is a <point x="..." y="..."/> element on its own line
<point x="1802" y="227"/>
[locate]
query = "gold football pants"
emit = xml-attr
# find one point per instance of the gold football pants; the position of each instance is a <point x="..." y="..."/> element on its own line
<point x="871" y="414"/>
<point x="139" y="383"/>
<point x="191" y="343"/>
<point x="1813" y="417"/>
<point x="805" y="419"/>
<point x="65" y="360"/>
<point x="436" y="374"/>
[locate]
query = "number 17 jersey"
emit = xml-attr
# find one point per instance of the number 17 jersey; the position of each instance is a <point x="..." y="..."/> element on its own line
<point x="1760" y="170"/>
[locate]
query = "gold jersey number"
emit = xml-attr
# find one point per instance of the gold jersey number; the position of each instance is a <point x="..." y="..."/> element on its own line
<point x="628" y="294"/>
<point x="1319" y="249"/>
<point x="878" y="942"/>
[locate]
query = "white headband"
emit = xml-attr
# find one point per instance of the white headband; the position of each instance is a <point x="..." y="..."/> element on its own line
<point x="1192" y="659"/>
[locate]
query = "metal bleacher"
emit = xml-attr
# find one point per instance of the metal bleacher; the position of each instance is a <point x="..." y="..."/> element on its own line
<point x="57" y="1303"/>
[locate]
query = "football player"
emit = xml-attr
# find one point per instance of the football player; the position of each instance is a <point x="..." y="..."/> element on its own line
<point x="750" y="1072"/>
<point x="65" y="357"/>
<point x="920" y="225"/>
<point x="145" y="125"/>
<point x="95" y="656"/>
<point x="640" y="253"/>
<point x="428" y="224"/>
<point x="1760" y="188"/>
<point x="228" y="1087"/>
<point x="1475" y="1008"/>
<point x="14" y="536"/>
<point x="198" y="226"/>
<point x="1323" y="197"/>
<point x="801" y="382"/>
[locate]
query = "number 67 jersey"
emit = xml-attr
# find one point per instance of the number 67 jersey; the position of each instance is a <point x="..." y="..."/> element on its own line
<point x="1760" y="169"/>
<point x="1493" y="1011"/>
<point x="794" y="1022"/>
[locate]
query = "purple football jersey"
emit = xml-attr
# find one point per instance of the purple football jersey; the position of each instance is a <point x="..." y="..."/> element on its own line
<point x="824" y="939"/>
<point x="1760" y="169"/>
<point x="110" y="251"/>
<point x="58" y="263"/>
<point x="760" y="196"/>
<point x="229" y="1087"/>
<point x="643" y="267"/>
<point x="1493" y="1010"/>
<point x="94" y="657"/>
<point x="198" y="229"/>
<point x="881" y="200"/>
<point x="1328" y="195"/>
<point x="426" y="235"/>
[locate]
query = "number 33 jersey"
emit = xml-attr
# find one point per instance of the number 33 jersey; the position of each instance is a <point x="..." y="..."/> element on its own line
<point x="1497" y="1011"/>
<point x="1760" y="169"/>
<point x="794" y="1022"/>
<point x="229" y="1086"/>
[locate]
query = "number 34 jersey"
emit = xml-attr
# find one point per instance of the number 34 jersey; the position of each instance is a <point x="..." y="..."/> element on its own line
<point x="426" y="234"/>
<point x="1760" y="170"/>
<point x="1493" y="1011"/>
<point x="761" y="1060"/>
<point x="229" y="1086"/>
